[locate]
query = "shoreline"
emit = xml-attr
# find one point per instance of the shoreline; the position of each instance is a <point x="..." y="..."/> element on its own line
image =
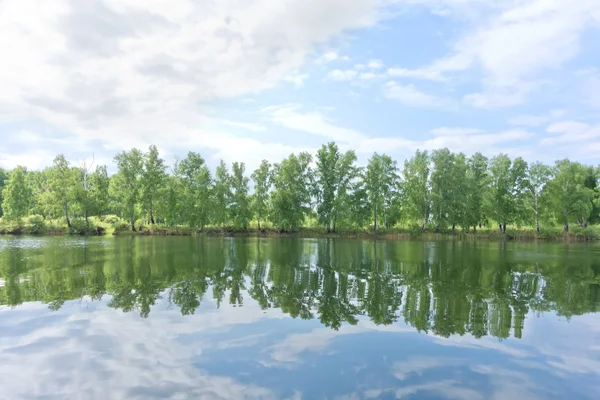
<point x="313" y="233"/>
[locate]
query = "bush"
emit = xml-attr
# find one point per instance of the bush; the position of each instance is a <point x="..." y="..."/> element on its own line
<point x="79" y="227"/>
<point x="35" y="224"/>
<point x="8" y="226"/>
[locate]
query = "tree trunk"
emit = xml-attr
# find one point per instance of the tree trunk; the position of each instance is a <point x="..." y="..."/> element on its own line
<point x="585" y="223"/>
<point x="328" y="223"/>
<point x="537" y="223"/>
<point x="566" y="228"/>
<point x="424" y="223"/>
<point x="67" y="215"/>
<point x="335" y="222"/>
<point x="258" y="215"/>
<point x="375" y="225"/>
<point x="453" y="227"/>
<point x="132" y="222"/>
<point x="437" y="229"/>
<point x="87" y="222"/>
<point x="151" y="216"/>
<point x="504" y="227"/>
<point x="500" y="226"/>
<point x="475" y="228"/>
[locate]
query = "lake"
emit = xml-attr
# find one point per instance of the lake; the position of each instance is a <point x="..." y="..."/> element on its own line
<point x="255" y="318"/>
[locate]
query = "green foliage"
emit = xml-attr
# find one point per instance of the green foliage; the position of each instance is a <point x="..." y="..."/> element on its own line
<point x="262" y="180"/>
<point x="440" y="191"/>
<point x="16" y="195"/>
<point x="382" y="186"/>
<point x="570" y="198"/>
<point x="35" y="224"/>
<point x="417" y="193"/>
<point x="125" y="186"/>
<point x="152" y="181"/>
<point x="291" y="196"/>
<point x="79" y="226"/>
<point x="190" y="192"/>
<point x="3" y="179"/>
<point x="221" y="195"/>
<point x="240" y="201"/>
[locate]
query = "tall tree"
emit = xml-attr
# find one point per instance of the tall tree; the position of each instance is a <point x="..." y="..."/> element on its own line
<point x="3" y="179"/>
<point x="221" y="195"/>
<point x="442" y="187"/>
<point x="416" y="186"/>
<point x="505" y="196"/>
<point x="537" y="181"/>
<point x="333" y="175"/>
<point x="127" y="182"/>
<point x="571" y="199"/>
<point x="153" y="180"/>
<point x="262" y="185"/>
<point x="476" y="183"/>
<point x="99" y="190"/>
<point x="61" y="180"/>
<point x="195" y="182"/>
<point x="16" y="195"/>
<point x="240" y="202"/>
<point x="83" y="192"/>
<point x="291" y="197"/>
<point x="380" y="181"/>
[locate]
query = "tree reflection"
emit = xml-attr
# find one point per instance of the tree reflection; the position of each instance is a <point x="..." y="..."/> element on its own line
<point x="445" y="288"/>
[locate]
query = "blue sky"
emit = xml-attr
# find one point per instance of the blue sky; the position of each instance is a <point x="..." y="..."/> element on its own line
<point x="244" y="80"/>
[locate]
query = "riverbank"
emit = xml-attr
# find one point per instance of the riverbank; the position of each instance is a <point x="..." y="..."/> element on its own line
<point x="112" y="225"/>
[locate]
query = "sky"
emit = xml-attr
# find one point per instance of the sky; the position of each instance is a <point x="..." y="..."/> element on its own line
<point x="246" y="80"/>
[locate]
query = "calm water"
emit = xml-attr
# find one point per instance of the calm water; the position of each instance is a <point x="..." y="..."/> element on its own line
<point x="219" y="318"/>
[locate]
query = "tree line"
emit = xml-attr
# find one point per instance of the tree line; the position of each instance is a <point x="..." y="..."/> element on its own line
<point x="438" y="190"/>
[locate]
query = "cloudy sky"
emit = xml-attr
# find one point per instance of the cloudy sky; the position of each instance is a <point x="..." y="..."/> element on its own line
<point x="244" y="80"/>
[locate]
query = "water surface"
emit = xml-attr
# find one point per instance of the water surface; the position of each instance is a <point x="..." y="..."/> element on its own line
<point x="221" y="318"/>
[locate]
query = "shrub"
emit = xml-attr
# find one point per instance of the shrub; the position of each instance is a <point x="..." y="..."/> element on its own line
<point x="9" y="226"/>
<point x="79" y="227"/>
<point x="35" y="224"/>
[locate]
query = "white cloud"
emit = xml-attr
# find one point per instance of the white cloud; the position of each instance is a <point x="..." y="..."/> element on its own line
<point x="375" y="64"/>
<point x="328" y="57"/>
<point x="342" y="75"/>
<point x="512" y="43"/>
<point x="291" y="117"/>
<point x="416" y="73"/>
<point x="446" y="131"/>
<point x="411" y="96"/>
<point x="133" y="72"/>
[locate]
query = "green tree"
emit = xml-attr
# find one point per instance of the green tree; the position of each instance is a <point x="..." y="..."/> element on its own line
<point x="506" y="191"/>
<point x="535" y="189"/>
<point x="334" y="173"/>
<point x="83" y="192"/>
<point x="153" y="180"/>
<point x="61" y="179"/>
<point x="448" y="189"/>
<point x="16" y="195"/>
<point x="571" y="199"/>
<point x="476" y="183"/>
<point x="195" y="183"/>
<point x="3" y="179"/>
<point x="416" y="186"/>
<point x="381" y="179"/>
<point x="262" y="179"/>
<point x="291" y="197"/>
<point x="100" y="184"/>
<point x="221" y="195"/>
<point x="240" y="201"/>
<point x="127" y="181"/>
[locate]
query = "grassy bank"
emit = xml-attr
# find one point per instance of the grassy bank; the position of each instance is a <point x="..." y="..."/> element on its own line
<point x="113" y="225"/>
